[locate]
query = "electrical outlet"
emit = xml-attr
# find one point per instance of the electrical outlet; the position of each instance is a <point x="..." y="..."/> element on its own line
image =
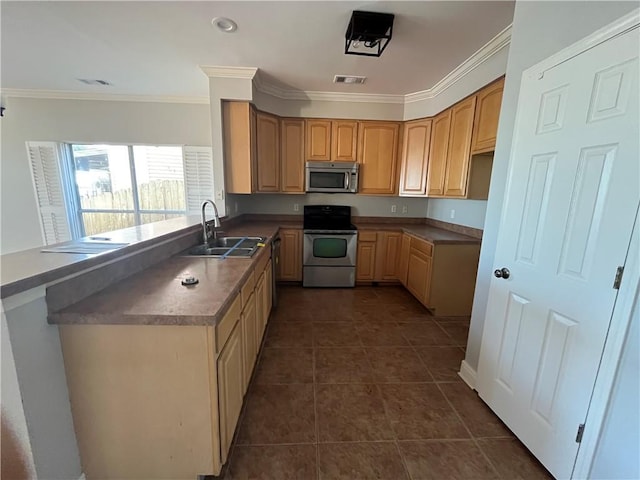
<point x="405" y="209"/>
<point x="393" y="209"/>
<point x="452" y="214"/>
<point x="296" y="207"/>
<point x="219" y="194"/>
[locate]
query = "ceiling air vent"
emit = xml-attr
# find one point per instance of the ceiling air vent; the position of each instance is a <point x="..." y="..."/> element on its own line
<point x="351" y="79"/>
<point x="89" y="81"/>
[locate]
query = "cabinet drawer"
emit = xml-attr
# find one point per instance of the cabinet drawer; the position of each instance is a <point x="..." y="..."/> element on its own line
<point x="422" y="246"/>
<point x="248" y="287"/>
<point x="367" y="236"/>
<point x="224" y="328"/>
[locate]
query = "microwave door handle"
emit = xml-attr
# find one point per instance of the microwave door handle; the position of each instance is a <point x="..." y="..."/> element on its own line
<point x="347" y="179"/>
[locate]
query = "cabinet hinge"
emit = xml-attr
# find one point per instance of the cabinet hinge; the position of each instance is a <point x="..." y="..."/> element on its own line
<point x="580" y="433"/>
<point x="618" y="280"/>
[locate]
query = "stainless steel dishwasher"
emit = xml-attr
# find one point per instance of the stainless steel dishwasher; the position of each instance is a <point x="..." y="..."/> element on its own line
<point x="275" y="262"/>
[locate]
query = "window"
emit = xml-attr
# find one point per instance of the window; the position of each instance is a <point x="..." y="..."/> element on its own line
<point x="87" y="189"/>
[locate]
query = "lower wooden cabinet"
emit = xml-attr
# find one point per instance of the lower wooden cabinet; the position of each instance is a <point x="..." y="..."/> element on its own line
<point x="403" y="265"/>
<point x="419" y="272"/>
<point x="387" y="256"/>
<point x="366" y="256"/>
<point x="290" y="266"/>
<point x="231" y="387"/>
<point x="164" y="401"/>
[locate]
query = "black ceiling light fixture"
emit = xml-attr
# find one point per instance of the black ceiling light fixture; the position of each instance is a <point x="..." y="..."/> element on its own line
<point x="368" y="33"/>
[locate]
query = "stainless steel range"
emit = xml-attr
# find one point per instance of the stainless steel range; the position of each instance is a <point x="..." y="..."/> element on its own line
<point x="330" y="246"/>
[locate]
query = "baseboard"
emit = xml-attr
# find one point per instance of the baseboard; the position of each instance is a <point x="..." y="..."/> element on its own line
<point x="468" y="374"/>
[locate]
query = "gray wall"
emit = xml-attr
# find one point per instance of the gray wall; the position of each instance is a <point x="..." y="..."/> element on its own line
<point x="79" y="121"/>
<point x="618" y="455"/>
<point x="540" y="29"/>
<point x="43" y="388"/>
<point x="362" y="205"/>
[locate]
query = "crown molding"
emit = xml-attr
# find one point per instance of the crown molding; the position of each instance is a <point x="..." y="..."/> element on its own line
<point x="229" y="72"/>
<point x="285" y="94"/>
<point x="114" y="97"/>
<point x="491" y="48"/>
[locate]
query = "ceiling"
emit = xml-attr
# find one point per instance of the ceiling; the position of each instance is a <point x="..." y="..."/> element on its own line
<point x="156" y="48"/>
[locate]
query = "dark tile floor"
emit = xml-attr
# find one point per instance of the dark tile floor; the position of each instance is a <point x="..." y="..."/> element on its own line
<point x="362" y="384"/>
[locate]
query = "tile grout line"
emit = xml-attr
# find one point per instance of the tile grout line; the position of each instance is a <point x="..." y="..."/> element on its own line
<point x="315" y="400"/>
<point x="473" y="438"/>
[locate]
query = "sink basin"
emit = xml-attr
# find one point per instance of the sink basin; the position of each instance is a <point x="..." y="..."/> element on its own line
<point x="243" y="247"/>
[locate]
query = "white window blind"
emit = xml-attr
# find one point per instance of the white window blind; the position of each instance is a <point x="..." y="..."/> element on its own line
<point x="198" y="176"/>
<point x="44" y="158"/>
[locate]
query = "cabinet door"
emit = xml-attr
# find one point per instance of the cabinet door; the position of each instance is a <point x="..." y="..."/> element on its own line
<point x="230" y="388"/>
<point x="238" y="133"/>
<point x="250" y="342"/>
<point x="438" y="154"/>
<point x="459" y="148"/>
<point x="415" y="158"/>
<point x="318" y="140"/>
<point x="387" y="255"/>
<point x="403" y="265"/>
<point x="366" y="261"/>
<point x="485" y="126"/>
<point x="261" y="308"/>
<point x="292" y="155"/>
<point x="378" y="157"/>
<point x="419" y="275"/>
<point x="269" y="288"/>
<point x="344" y="138"/>
<point x="290" y="267"/>
<point x="268" y="153"/>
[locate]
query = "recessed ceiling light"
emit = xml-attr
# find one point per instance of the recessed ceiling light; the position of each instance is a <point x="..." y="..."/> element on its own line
<point x="224" y="24"/>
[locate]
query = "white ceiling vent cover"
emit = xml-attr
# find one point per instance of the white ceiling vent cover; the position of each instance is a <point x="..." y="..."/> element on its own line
<point x="350" y="79"/>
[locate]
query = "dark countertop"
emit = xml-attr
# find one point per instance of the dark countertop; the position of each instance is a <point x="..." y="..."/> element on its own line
<point x="437" y="236"/>
<point x="157" y="297"/>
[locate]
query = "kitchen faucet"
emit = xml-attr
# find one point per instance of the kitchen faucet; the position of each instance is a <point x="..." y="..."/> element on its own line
<point x="216" y="222"/>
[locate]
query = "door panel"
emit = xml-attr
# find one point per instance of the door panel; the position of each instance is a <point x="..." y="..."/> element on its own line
<point x="458" y="155"/>
<point x="415" y="158"/>
<point x="378" y="157"/>
<point x="569" y="210"/>
<point x="292" y="155"/>
<point x="268" y="154"/>
<point x="318" y="140"/>
<point x="344" y="138"/>
<point x="438" y="154"/>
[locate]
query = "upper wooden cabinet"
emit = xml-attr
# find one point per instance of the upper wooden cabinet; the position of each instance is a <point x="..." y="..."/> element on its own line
<point x="318" y="140"/>
<point x="378" y="157"/>
<point x="462" y="114"/>
<point x="292" y="155"/>
<point x="267" y="153"/>
<point x="438" y="149"/>
<point x="331" y="140"/>
<point x="239" y="135"/>
<point x="485" y="127"/>
<point x="344" y="139"/>
<point x="415" y="157"/>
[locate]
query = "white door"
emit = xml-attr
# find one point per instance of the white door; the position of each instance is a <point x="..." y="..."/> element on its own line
<point x="571" y="200"/>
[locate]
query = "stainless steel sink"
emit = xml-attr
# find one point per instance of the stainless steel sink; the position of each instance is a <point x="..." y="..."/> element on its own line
<point x="228" y="246"/>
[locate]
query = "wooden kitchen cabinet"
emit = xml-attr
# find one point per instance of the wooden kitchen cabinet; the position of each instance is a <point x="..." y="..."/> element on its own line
<point x="292" y="155"/>
<point x="231" y="387"/>
<point x="442" y="277"/>
<point x="318" y="140"/>
<point x="366" y="256"/>
<point x="344" y="140"/>
<point x="249" y="339"/>
<point x="436" y="168"/>
<point x="378" y="157"/>
<point x="268" y="153"/>
<point x="485" y="126"/>
<point x="290" y="267"/>
<point x="457" y="170"/>
<point x="415" y="158"/>
<point x="387" y="256"/>
<point x="403" y="265"/>
<point x="239" y="136"/>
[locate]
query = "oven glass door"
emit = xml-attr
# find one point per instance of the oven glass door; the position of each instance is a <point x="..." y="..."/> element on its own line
<point x="328" y="180"/>
<point x="330" y="249"/>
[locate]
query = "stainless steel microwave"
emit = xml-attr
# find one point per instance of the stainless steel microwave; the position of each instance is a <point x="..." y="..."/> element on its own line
<point x="332" y="177"/>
